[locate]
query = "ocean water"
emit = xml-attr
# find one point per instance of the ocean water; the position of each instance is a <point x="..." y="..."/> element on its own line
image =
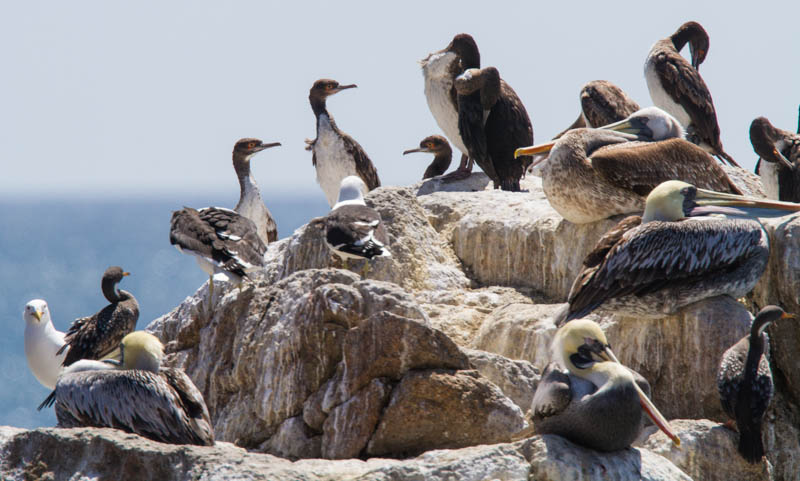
<point x="57" y="250"/>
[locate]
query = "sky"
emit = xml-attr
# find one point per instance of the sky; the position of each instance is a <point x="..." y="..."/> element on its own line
<point x="141" y="99"/>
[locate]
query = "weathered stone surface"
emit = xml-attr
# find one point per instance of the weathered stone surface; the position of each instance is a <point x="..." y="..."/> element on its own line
<point x="707" y="452"/>
<point x="350" y="425"/>
<point x="444" y="409"/>
<point x="294" y="440"/>
<point x="516" y="378"/>
<point x="86" y="454"/>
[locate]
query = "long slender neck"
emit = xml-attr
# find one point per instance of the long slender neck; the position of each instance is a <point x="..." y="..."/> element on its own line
<point x="443" y="157"/>
<point x="241" y="164"/>
<point x="318" y="105"/>
<point x="110" y="290"/>
<point x="756" y="348"/>
<point x="681" y="38"/>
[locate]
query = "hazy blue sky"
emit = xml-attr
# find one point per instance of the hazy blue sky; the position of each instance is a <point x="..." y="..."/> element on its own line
<point x="148" y="97"/>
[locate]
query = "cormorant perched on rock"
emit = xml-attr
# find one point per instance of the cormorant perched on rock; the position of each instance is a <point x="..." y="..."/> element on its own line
<point x="250" y="204"/>
<point x="442" y="154"/>
<point x="493" y="123"/>
<point x="677" y="87"/>
<point x="745" y="385"/>
<point x="95" y="336"/>
<point x="336" y="154"/>
<point x="779" y="162"/>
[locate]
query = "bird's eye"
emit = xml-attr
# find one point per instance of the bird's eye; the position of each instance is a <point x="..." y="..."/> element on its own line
<point x="251" y="145"/>
<point x="329" y="86"/>
<point x="430" y="145"/>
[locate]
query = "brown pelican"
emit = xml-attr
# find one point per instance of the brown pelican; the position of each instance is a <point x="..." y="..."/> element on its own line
<point x="250" y="204"/>
<point x="440" y="70"/>
<point x="222" y="241"/>
<point x="588" y="397"/>
<point x="745" y="385"/>
<point x="134" y="394"/>
<point x="653" y="265"/>
<point x="42" y="343"/>
<point x="602" y="103"/>
<point x="677" y="87"/>
<point x="780" y="152"/>
<point x="593" y="174"/>
<point x="493" y="122"/>
<point x="353" y="230"/>
<point x="335" y="154"/>
<point x="443" y="154"/>
<point x="95" y="336"/>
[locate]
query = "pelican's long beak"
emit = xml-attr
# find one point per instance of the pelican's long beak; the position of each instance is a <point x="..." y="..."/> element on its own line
<point x="648" y="406"/>
<point x="624" y="125"/>
<point x="787" y="315"/>
<point x="113" y="357"/>
<point x="747" y="205"/>
<point x="38" y="314"/>
<point x="535" y="149"/>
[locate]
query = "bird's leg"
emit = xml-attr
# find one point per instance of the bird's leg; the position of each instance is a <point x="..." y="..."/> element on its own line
<point x="365" y="269"/>
<point x="463" y="171"/>
<point x="210" y="293"/>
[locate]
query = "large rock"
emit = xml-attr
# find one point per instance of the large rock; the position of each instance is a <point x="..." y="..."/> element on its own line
<point x="110" y="454"/>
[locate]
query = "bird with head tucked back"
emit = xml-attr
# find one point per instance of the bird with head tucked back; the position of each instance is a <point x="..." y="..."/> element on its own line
<point x="336" y="155"/>
<point x="133" y="393"/>
<point x="779" y="159"/>
<point x="744" y="381"/>
<point x="42" y="343"/>
<point x="602" y="103"/>
<point x="588" y="397"/>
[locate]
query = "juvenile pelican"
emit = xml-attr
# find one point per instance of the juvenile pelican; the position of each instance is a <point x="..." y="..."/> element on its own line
<point x="588" y="397"/>
<point x="250" y="204"/>
<point x="655" y="264"/>
<point x="745" y="385"/>
<point x="493" y="122"/>
<point x="353" y="230"/>
<point x="95" y="336"/>
<point x="779" y="163"/>
<point x="134" y="394"/>
<point x="442" y="155"/>
<point x="593" y="174"/>
<point x="677" y="87"/>
<point x="602" y="103"/>
<point x="42" y="343"/>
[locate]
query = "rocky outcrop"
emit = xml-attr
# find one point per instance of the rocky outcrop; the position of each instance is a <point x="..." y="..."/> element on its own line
<point x="436" y="354"/>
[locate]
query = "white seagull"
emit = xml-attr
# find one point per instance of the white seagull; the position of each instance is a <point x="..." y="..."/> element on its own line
<point x="42" y="341"/>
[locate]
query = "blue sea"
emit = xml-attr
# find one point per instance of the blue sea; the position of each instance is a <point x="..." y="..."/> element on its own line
<point x="57" y="250"/>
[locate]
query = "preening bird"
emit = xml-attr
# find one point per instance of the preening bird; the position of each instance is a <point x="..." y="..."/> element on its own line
<point x="42" y="343"/>
<point x="744" y="380"/>
<point x="135" y="394"/>
<point x="675" y="254"/>
<point x="779" y="162"/>
<point x="588" y="397"/>
<point x="677" y="87"/>
<point x="593" y="174"/>
<point x="95" y="336"/>
<point x="336" y="155"/>
<point x="602" y="103"/>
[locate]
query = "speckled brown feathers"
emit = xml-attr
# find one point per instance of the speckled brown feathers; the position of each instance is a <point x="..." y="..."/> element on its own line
<point x="603" y="103"/>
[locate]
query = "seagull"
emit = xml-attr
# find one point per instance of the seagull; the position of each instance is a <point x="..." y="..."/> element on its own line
<point x="42" y="342"/>
<point x="353" y="230"/>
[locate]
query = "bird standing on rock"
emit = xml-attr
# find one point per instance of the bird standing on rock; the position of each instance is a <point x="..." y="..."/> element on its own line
<point x="335" y="154"/>
<point x="602" y="103"/>
<point x="653" y="265"/>
<point x="588" y="397"/>
<point x="443" y="155"/>
<point x="42" y="343"/>
<point x="779" y="162"/>
<point x="97" y="335"/>
<point x="353" y="230"/>
<point x="744" y="380"/>
<point x="440" y="70"/>
<point x="493" y="122"/>
<point x="250" y="204"/>
<point x="677" y="87"/>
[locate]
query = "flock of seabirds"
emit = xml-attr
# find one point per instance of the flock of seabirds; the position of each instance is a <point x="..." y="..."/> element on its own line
<point x="697" y="236"/>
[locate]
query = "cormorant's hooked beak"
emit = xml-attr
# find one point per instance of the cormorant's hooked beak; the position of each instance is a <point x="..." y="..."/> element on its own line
<point x="719" y="202"/>
<point x="608" y="355"/>
<point x="266" y="146"/>
<point x="781" y="158"/>
<point x="787" y="315"/>
<point x="421" y="149"/>
<point x="344" y="87"/>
